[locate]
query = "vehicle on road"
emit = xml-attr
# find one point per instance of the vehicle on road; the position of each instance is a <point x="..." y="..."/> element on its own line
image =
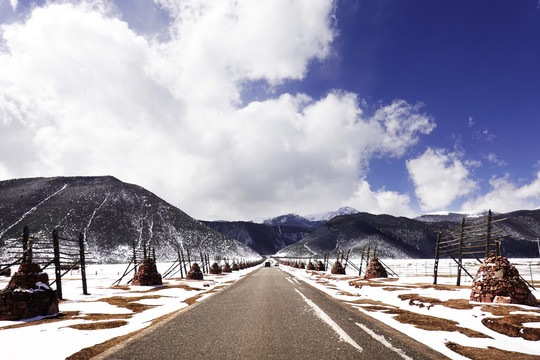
<point x="267" y="264"/>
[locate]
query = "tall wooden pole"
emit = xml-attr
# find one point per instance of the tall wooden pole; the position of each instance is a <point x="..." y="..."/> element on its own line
<point x="460" y="259"/>
<point x="436" y="266"/>
<point x="57" y="270"/>
<point x="26" y="250"/>
<point x="488" y="233"/>
<point x="83" y="263"/>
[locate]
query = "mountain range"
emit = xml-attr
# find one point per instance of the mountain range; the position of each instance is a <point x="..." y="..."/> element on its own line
<point x="400" y="237"/>
<point x="111" y="214"/>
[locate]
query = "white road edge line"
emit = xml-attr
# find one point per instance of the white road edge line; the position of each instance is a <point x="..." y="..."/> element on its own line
<point x="324" y="317"/>
<point x="383" y="341"/>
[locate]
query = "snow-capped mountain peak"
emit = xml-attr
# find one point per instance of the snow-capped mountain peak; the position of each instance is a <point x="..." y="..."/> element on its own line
<point x="346" y="210"/>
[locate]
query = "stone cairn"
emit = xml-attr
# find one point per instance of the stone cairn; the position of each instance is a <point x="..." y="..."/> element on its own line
<point x="226" y="268"/>
<point x="215" y="269"/>
<point x="310" y="266"/>
<point x="338" y="269"/>
<point x="28" y="294"/>
<point x="195" y="273"/>
<point x="302" y="266"/>
<point x="235" y="267"/>
<point x="375" y="270"/>
<point x="320" y="266"/>
<point x="497" y="281"/>
<point x="147" y="274"/>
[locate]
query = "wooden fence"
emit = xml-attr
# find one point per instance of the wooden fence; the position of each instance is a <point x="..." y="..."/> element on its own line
<point x="473" y="238"/>
<point x="65" y="254"/>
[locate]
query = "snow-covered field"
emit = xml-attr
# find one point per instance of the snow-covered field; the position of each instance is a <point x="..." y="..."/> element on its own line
<point x="440" y="316"/>
<point x="409" y="303"/>
<point x="106" y="313"/>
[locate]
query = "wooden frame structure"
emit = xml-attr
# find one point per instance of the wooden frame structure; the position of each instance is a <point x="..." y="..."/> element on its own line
<point x="474" y="238"/>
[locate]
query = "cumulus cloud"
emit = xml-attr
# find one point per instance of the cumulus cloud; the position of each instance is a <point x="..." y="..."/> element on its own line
<point x="82" y="94"/>
<point x="381" y="201"/>
<point x="506" y="196"/>
<point x="440" y="178"/>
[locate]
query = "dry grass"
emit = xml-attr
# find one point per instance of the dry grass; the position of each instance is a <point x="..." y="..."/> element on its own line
<point x="90" y="352"/>
<point x="488" y="354"/>
<point x="192" y="300"/>
<point x="66" y="315"/>
<point x="159" y="288"/>
<point x="99" y="317"/>
<point x="512" y="325"/>
<point x="398" y="288"/>
<point x="420" y="321"/>
<point x="504" y="310"/>
<point x="120" y="287"/>
<point x="99" y="325"/>
<point x="130" y="303"/>
<point x="369" y="302"/>
<point x="421" y="301"/>
<point x="432" y="323"/>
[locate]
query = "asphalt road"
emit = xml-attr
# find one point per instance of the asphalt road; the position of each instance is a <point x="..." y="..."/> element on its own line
<point x="271" y="315"/>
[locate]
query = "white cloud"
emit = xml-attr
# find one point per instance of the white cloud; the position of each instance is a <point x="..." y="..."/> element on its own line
<point x="14" y="4"/>
<point x="506" y="196"/>
<point x="88" y="96"/>
<point x="439" y="178"/>
<point x="380" y="201"/>
<point x="494" y="159"/>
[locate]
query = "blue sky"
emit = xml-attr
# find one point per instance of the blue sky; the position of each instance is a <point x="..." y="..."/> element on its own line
<point x="242" y="110"/>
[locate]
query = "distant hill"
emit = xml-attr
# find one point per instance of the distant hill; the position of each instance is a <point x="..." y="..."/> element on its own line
<point x="276" y="233"/>
<point x="266" y="239"/>
<point x="399" y="237"/>
<point x="111" y="213"/>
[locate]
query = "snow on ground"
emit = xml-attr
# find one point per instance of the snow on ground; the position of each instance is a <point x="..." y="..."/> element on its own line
<point x="122" y="310"/>
<point x="412" y="294"/>
<point x="114" y="311"/>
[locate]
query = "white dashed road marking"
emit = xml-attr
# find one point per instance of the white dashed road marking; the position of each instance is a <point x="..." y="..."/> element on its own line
<point x="383" y="341"/>
<point x="324" y="317"/>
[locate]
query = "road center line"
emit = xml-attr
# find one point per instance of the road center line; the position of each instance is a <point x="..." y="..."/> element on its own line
<point x="383" y="341"/>
<point x="324" y="317"/>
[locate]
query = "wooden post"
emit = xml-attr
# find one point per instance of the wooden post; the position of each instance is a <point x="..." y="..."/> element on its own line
<point x="203" y="268"/>
<point x="361" y="263"/>
<point x="488" y="233"/>
<point x="144" y="250"/>
<point x="26" y="252"/>
<point x="436" y="266"/>
<point x="134" y="257"/>
<point x="326" y="256"/>
<point x="368" y="254"/>
<point x="179" y="261"/>
<point x="183" y="262"/>
<point x="57" y="270"/>
<point x="460" y="259"/>
<point x="83" y="263"/>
